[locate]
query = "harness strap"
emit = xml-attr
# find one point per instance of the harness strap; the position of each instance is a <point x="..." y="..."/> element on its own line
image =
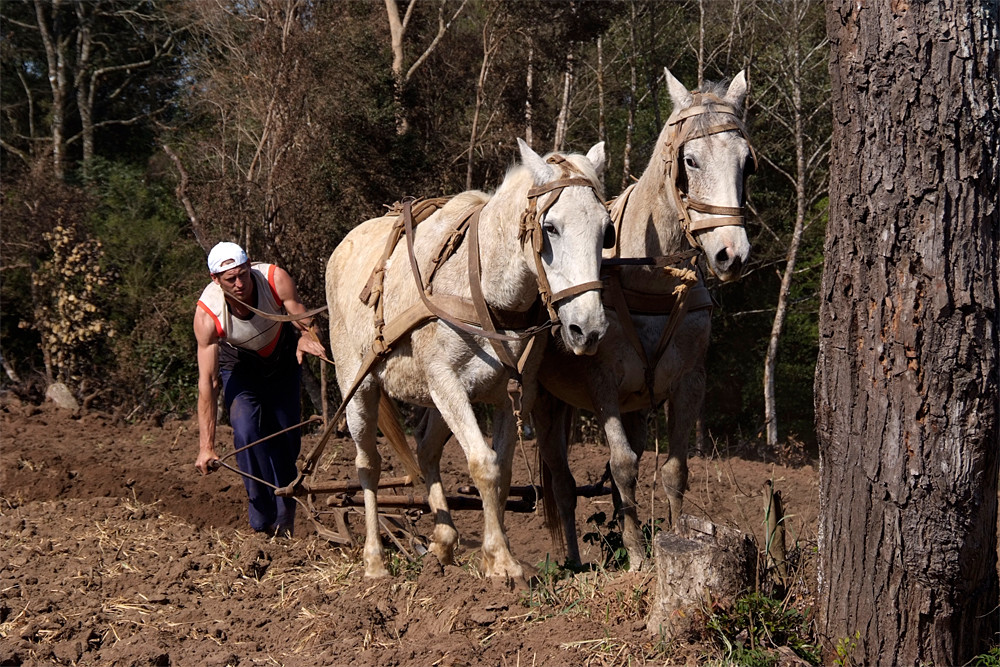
<point x="698" y="109"/>
<point x="687" y="277"/>
<point x="439" y="312"/>
<point x="617" y="207"/>
<point x="450" y="245"/>
<point x="515" y="367"/>
<point x="616" y="297"/>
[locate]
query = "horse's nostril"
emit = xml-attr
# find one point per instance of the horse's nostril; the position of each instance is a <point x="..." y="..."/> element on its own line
<point x="576" y="331"/>
<point x="722" y="257"/>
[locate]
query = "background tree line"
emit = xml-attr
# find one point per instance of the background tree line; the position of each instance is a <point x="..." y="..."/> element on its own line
<point x="135" y="135"/>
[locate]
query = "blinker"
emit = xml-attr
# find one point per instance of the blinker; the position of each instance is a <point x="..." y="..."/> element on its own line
<point x="609" y="237"/>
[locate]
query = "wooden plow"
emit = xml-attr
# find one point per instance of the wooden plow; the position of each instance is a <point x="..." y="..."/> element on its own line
<point x="331" y="505"/>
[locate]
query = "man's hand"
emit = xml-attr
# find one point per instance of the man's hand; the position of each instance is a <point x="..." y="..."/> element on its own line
<point x="309" y="343"/>
<point x="205" y="459"/>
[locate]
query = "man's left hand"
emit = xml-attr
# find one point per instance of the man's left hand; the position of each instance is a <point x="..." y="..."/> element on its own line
<point x="309" y="343"/>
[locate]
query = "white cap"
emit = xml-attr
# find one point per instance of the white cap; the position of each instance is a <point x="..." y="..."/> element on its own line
<point x="225" y="256"/>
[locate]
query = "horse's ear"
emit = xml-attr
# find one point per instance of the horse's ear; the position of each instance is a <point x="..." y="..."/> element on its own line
<point x="597" y="158"/>
<point x="737" y="90"/>
<point x="541" y="172"/>
<point x="679" y="94"/>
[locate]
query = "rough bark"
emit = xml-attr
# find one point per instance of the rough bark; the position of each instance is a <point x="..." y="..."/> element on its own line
<point x="907" y="398"/>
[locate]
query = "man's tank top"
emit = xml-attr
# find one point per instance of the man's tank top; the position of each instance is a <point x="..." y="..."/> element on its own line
<point x="256" y="341"/>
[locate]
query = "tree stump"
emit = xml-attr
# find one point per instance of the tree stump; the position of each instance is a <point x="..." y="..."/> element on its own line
<point x="700" y="566"/>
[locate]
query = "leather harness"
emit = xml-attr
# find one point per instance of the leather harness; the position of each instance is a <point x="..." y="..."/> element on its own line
<point x="473" y="316"/>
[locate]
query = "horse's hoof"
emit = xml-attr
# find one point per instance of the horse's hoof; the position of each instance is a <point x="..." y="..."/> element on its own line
<point x="444" y="554"/>
<point x="373" y="571"/>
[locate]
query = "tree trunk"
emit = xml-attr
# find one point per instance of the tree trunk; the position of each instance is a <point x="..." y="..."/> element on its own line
<point x="563" y="120"/>
<point x="778" y="325"/>
<point x="632" y="102"/>
<point x="491" y="42"/>
<point x="602" y="124"/>
<point x="55" y="54"/>
<point x="907" y="396"/>
<point x="527" y="94"/>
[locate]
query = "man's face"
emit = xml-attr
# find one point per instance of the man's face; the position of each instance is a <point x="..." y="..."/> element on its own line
<point x="236" y="282"/>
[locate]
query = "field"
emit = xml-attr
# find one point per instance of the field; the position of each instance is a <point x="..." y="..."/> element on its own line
<point x="115" y="551"/>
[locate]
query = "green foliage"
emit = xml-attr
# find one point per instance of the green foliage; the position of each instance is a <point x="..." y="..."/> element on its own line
<point x="159" y="273"/>
<point x="845" y="650"/>
<point x="608" y="536"/>
<point x="755" y="626"/>
<point x="989" y="659"/>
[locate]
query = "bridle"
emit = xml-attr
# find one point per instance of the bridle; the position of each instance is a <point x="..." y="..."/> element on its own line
<point x="530" y="228"/>
<point x="685" y="131"/>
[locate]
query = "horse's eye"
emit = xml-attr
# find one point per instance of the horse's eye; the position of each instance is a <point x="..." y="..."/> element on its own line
<point x="690" y="162"/>
<point x="550" y="229"/>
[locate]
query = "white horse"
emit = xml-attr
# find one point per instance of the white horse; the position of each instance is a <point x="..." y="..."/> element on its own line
<point x="691" y="194"/>
<point x="542" y="230"/>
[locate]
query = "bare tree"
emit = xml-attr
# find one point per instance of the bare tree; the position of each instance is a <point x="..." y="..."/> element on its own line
<point x="562" y="120"/>
<point x="56" y="45"/>
<point x="493" y="39"/>
<point x="908" y="377"/>
<point x="95" y="65"/>
<point x="633" y="95"/>
<point x="795" y="97"/>
<point x="95" y="54"/>
<point x="397" y="30"/>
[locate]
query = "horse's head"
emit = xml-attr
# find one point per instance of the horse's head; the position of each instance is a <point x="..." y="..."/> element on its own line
<point x="563" y="230"/>
<point x="709" y="158"/>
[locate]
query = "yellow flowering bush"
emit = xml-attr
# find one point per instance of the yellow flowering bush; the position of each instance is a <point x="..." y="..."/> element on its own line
<point x="66" y="291"/>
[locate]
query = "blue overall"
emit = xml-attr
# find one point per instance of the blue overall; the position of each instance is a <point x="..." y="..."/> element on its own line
<point x="259" y="404"/>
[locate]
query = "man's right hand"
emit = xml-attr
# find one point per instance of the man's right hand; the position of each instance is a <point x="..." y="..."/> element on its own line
<point x="205" y="459"/>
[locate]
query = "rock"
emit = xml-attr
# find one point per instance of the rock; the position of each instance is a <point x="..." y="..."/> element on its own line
<point x="59" y="393"/>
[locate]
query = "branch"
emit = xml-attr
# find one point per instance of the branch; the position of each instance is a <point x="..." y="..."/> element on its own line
<point x="19" y="153"/>
<point x="442" y="29"/>
<point x="181" y="192"/>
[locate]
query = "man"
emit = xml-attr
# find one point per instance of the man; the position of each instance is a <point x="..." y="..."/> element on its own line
<point x="258" y="360"/>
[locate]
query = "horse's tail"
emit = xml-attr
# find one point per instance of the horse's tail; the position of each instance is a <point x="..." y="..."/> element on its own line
<point x="390" y="422"/>
<point x="552" y="521"/>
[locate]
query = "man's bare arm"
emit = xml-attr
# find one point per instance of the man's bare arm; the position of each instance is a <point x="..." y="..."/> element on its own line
<point x="208" y="389"/>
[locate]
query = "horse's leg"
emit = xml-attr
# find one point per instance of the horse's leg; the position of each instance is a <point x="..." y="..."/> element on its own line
<point x="362" y="417"/>
<point x="551" y="419"/>
<point x="433" y="434"/>
<point x="635" y="424"/>
<point x="484" y="467"/>
<point x="624" y="462"/>
<point x="683" y="406"/>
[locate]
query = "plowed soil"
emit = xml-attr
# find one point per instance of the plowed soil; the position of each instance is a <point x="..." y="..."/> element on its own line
<point x="115" y="551"/>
